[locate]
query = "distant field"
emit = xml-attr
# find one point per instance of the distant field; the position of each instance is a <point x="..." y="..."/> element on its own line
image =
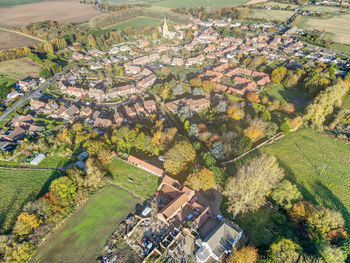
<point x="319" y="166"/>
<point x="17" y="187"/>
<point x="83" y="236"/>
<point x="182" y="3"/>
<point x="136" y="23"/>
<point x="337" y="27"/>
<point x="271" y="15"/>
<point x="144" y="183"/>
<point x="322" y="8"/>
<point x="12" y="40"/>
<point x="18" y="2"/>
<point x="19" y="68"/>
<point x="282" y="5"/>
<point x="58" y="10"/>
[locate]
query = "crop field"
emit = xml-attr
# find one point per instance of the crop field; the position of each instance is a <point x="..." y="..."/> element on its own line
<point x="281" y="5"/>
<point x="83" y="236"/>
<point x="270" y="15"/>
<point x="19" y="68"/>
<point x="336" y="27"/>
<point x="319" y="165"/>
<point x="141" y="184"/>
<point x="322" y="8"/>
<point x="17" y="187"/>
<point x="10" y="40"/>
<point x="136" y="23"/>
<point x="58" y="10"/>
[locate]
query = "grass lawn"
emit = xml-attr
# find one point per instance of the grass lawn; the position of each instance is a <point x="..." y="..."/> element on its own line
<point x="277" y="91"/>
<point x="19" y="68"/>
<point x="83" y="236"/>
<point x="144" y="183"/>
<point x="199" y="3"/>
<point x="345" y="49"/>
<point x="17" y="187"/>
<point x="18" y="2"/>
<point x="8" y="82"/>
<point x="136" y="23"/>
<point x="54" y="160"/>
<point x="319" y="165"/>
<point x="271" y="15"/>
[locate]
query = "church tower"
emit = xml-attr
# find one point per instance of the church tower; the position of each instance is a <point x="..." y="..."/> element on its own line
<point x="165" y="28"/>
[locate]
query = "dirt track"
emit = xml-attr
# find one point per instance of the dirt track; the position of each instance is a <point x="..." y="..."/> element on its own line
<point x="57" y="10"/>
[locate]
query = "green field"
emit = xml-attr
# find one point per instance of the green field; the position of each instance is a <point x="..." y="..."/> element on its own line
<point x="19" y="68"/>
<point x="319" y="165"/>
<point x="135" y="23"/>
<point x="168" y="4"/>
<point x="83" y="236"/>
<point x="345" y="49"/>
<point x="8" y="82"/>
<point x="296" y="96"/>
<point x="18" y="2"/>
<point x="270" y="15"/>
<point x="346" y="102"/>
<point x="144" y="183"/>
<point x="17" y="187"/>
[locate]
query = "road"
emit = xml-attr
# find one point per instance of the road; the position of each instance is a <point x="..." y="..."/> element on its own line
<point x="31" y="95"/>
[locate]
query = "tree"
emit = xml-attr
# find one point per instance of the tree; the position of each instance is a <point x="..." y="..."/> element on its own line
<point x="265" y="115"/>
<point x="25" y="224"/>
<point x="285" y="127"/>
<point x="45" y="73"/>
<point x="285" y="251"/>
<point x="253" y="97"/>
<point x="332" y="255"/>
<point x="202" y="180"/>
<point x="218" y="150"/>
<point x="219" y="175"/>
<point x="221" y="107"/>
<point x="187" y="125"/>
<point x="288" y="108"/>
<point x="235" y="112"/>
<point x="178" y="90"/>
<point x="278" y="74"/>
<point x="271" y="129"/>
<point x="244" y="255"/>
<point x="179" y="157"/>
<point x="196" y="82"/>
<point x="198" y="92"/>
<point x="94" y="172"/>
<point x="19" y="252"/>
<point x="255" y="130"/>
<point x="63" y="189"/>
<point x="92" y="41"/>
<point x="285" y="194"/>
<point x="247" y="190"/>
<point x="208" y="86"/>
<point x="193" y="131"/>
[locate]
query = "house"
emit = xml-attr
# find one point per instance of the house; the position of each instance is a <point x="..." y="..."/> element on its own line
<point x="51" y="106"/>
<point x="177" y="197"/>
<point x="178" y="62"/>
<point x="154" y="57"/>
<point x="195" y="60"/>
<point x="197" y="105"/>
<point x="139" y="108"/>
<point x="26" y="85"/>
<point x="122" y="91"/>
<point x="147" y="81"/>
<point x="14" y="135"/>
<point x="219" y="241"/>
<point x="70" y="112"/>
<point x="118" y="117"/>
<point x="102" y="123"/>
<point x="141" y="60"/>
<point x="58" y="112"/>
<point x="146" y="166"/>
<point x="22" y="120"/>
<point x="13" y="95"/>
<point x="85" y="113"/>
<point x="96" y="94"/>
<point x="130" y="112"/>
<point x="150" y="106"/>
<point x="36" y="104"/>
<point x="165" y="59"/>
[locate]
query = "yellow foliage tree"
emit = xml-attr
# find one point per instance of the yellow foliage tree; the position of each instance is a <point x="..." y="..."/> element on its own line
<point x="244" y="255"/>
<point x="203" y="180"/>
<point x="235" y="112"/>
<point x="26" y="223"/>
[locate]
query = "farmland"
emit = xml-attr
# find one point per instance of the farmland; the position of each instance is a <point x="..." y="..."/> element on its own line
<point x="319" y="166"/>
<point x="59" y="10"/>
<point x="136" y="23"/>
<point x="270" y="15"/>
<point x="85" y="233"/>
<point x="19" y="68"/>
<point x="336" y="27"/>
<point x="10" y="40"/>
<point x="17" y="187"/>
<point x="143" y="183"/>
<point x="18" y="2"/>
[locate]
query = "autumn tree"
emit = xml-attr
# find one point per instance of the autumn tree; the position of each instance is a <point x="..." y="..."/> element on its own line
<point x="288" y="108"/>
<point x="247" y="190"/>
<point x="208" y="86"/>
<point x="285" y="194"/>
<point x="253" y="97"/>
<point x="244" y="255"/>
<point x="285" y="127"/>
<point x="202" y="180"/>
<point x="179" y="157"/>
<point x="26" y="223"/>
<point x="196" y="82"/>
<point x="63" y="189"/>
<point x="19" y="252"/>
<point x="285" y="251"/>
<point x="278" y="74"/>
<point x="255" y="130"/>
<point x="94" y="172"/>
<point x="235" y="112"/>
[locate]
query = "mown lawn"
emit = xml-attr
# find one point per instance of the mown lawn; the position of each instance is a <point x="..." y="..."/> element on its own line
<point x="319" y="165"/>
<point x="8" y="82"/>
<point x="19" y="68"/>
<point x="17" y="187"/>
<point x="143" y="185"/>
<point x="83" y="236"/>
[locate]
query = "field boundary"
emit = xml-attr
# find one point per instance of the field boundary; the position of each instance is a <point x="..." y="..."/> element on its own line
<point x="22" y="34"/>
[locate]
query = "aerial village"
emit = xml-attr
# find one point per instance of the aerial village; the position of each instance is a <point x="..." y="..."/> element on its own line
<point x="177" y="222"/>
